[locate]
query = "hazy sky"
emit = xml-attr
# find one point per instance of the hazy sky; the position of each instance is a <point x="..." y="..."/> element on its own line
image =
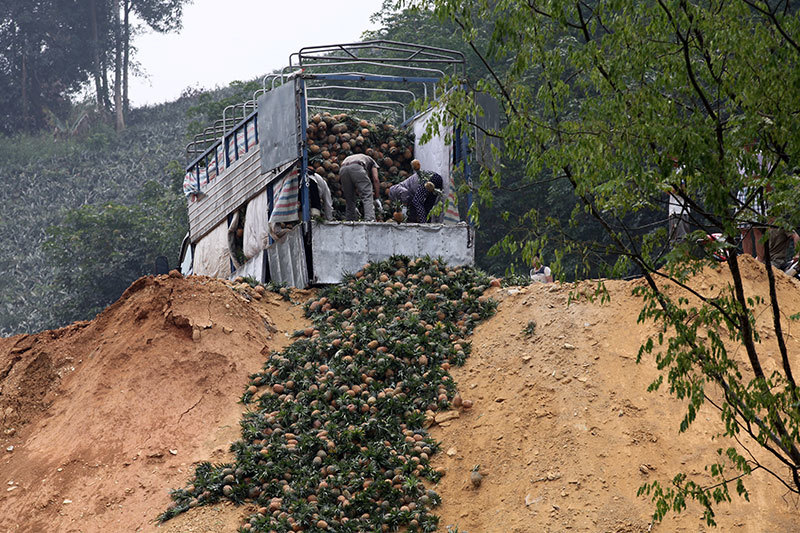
<point x="222" y="41"/>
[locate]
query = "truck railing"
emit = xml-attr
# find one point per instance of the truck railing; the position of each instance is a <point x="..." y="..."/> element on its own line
<point x="386" y="51"/>
<point x="229" y="145"/>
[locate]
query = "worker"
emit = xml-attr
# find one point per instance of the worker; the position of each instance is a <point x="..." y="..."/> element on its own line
<point x="420" y="192"/>
<point x="778" y="244"/>
<point x="677" y="210"/>
<point x="540" y="273"/>
<point x="751" y="206"/>
<point x="355" y="173"/>
<point x="319" y="196"/>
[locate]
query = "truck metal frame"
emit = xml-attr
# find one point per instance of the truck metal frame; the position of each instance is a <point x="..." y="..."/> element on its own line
<point x="259" y="143"/>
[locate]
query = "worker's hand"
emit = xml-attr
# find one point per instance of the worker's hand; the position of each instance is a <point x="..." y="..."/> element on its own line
<point x="378" y="205"/>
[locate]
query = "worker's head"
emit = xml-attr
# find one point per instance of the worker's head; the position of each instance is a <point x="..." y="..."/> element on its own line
<point x="434" y="182"/>
<point x="415" y="165"/>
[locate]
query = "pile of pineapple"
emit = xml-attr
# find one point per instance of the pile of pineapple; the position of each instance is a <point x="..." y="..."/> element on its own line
<point x="335" y="437"/>
<point x="331" y="138"/>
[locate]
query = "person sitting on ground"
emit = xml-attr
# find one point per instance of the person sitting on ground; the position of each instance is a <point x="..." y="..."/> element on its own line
<point x="677" y="210"/>
<point x="751" y="204"/>
<point x="355" y="174"/>
<point x="540" y="273"/>
<point x="778" y="245"/>
<point x="420" y="193"/>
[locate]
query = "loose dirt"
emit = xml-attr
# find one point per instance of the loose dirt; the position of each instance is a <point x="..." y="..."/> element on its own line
<point x="565" y="432"/>
<point x="108" y="415"/>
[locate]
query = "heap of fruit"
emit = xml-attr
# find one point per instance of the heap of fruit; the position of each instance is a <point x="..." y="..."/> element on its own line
<point x="331" y="138"/>
<point x="337" y="437"/>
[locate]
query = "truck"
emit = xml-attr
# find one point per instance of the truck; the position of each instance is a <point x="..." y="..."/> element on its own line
<point x="247" y="177"/>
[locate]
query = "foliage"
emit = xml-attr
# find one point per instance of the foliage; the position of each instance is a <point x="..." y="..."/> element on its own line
<point x="50" y="49"/>
<point x="623" y="102"/>
<point x="44" y="57"/>
<point x="42" y="179"/>
<point x="530" y="328"/>
<point x="210" y="106"/>
<point x="336" y="434"/>
<point x="98" y="251"/>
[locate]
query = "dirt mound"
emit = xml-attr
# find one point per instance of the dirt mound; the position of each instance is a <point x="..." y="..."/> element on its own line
<point x="102" y="418"/>
<point x="562" y="427"/>
<point x="565" y="432"/>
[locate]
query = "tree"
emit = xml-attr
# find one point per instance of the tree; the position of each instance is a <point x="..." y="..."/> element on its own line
<point x="162" y="16"/>
<point x="603" y="97"/>
<point x="99" y="250"/>
<point x="49" y="49"/>
<point x="44" y="58"/>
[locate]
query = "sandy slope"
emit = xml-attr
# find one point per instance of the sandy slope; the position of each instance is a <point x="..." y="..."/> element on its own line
<point x="562" y="428"/>
<point x="565" y="431"/>
<point x="109" y="415"/>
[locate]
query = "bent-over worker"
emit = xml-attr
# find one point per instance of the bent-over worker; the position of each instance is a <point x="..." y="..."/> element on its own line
<point x="355" y="173"/>
<point x="420" y="192"/>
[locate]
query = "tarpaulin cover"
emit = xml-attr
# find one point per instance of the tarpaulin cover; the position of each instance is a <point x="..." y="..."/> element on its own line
<point x="256" y="225"/>
<point x="436" y="155"/>
<point x="212" y="167"/>
<point x="220" y="159"/>
<point x="230" y="146"/>
<point x="287" y="201"/>
<point x="212" y="254"/>
<point x="203" y="178"/>
<point x="251" y="134"/>
<point x="190" y="186"/>
<point x="241" y="147"/>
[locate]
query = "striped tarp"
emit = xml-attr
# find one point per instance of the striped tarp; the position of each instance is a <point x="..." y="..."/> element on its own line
<point x="251" y="134"/>
<point x="190" y="186"/>
<point x="211" y="168"/>
<point x="287" y="201"/>
<point x="241" y="149"/>
<point x="230" y="144"/>
<point x="451" y="215"/>
<point x="221" y="158"/>
<point x="203" y="177"/>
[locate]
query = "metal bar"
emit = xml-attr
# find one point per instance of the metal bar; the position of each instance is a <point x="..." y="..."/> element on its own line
<point x="206" y="151"/>
<point x="374" y="63"/>
<point x="386" y="104"/>
<point x="332" y="108"/>
<point x="365" y="89"/>
<point x="431" y="53"/>
<point x="301" y="101"/>
<point x="368" y="77"/>
<point x="382" y="103"/>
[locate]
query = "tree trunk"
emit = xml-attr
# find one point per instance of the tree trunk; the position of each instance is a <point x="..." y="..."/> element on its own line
<point x="126" y="54"/>
<point x="98" y="87"/>
<point x="25" y="114"/>
<point x="104" y="82"/>
<point x="120" y="122"/>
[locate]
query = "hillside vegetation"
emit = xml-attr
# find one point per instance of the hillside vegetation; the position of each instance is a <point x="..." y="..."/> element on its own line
<point x="43" y="179"/>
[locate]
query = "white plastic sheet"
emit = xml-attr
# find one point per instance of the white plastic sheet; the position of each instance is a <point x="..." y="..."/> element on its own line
<point x="212" y="255"/>
<point x="256" y="225"/>
<point x="436" y="155"/>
